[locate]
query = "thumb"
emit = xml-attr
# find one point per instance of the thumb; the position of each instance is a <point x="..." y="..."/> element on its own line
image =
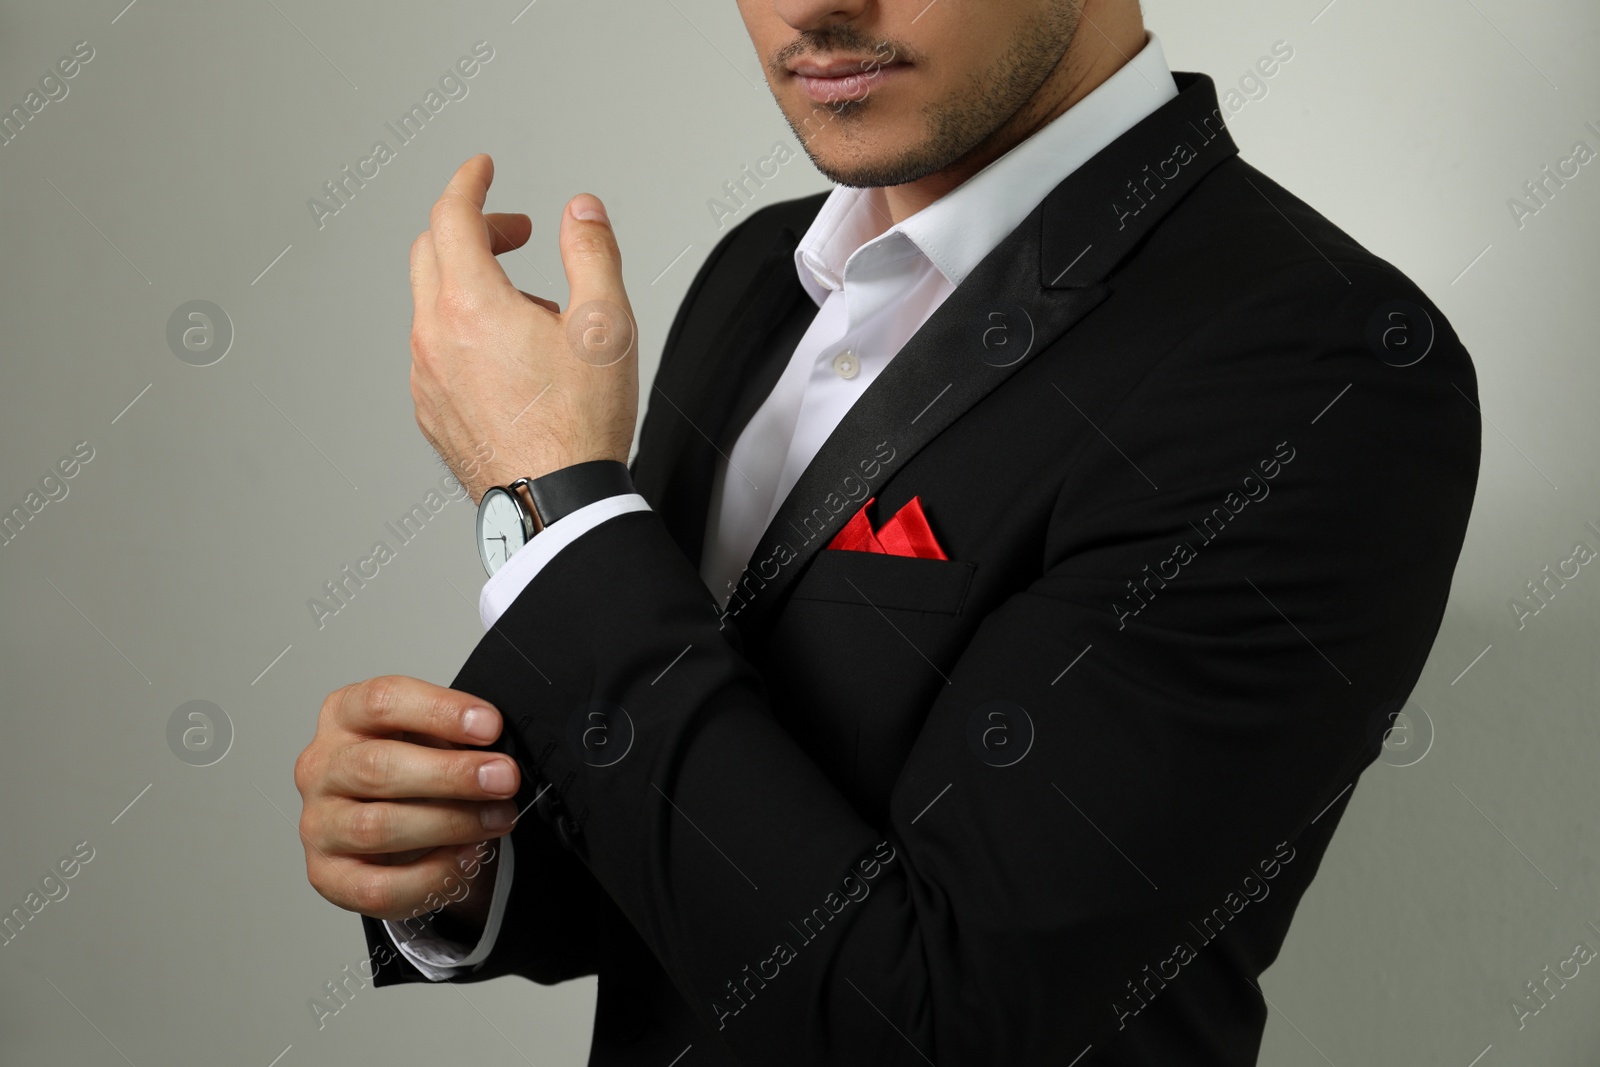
<point x="600" y="326"/>
<point x="589" y="252"/>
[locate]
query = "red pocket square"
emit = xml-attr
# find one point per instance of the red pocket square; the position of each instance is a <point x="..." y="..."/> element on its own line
<point x="907" y="533"/>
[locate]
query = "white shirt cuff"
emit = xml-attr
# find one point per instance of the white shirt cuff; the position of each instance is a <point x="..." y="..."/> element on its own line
<point x="440" y="958"/>
<point x="513" y="577"/>
<point x="436" y="956"/>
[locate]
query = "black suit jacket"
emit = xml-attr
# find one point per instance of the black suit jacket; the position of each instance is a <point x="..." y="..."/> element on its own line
<point x="1202" y="466"/>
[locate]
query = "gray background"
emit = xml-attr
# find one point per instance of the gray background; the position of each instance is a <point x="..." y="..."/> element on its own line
<point x="178" y="567"/>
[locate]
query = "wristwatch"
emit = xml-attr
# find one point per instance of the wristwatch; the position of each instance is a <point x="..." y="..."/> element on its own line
<point x="510" y="515"/>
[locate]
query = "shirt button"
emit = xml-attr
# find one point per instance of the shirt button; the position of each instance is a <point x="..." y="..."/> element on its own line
<point x="845" y="364"/>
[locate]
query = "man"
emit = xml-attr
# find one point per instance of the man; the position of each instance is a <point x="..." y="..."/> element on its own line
<point x="1028" y="545"/>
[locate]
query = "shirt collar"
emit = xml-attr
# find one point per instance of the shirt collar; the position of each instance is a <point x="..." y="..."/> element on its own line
<point x="956" y="231"/>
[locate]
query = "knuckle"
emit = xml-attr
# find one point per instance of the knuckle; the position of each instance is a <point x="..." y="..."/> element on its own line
<point x="455" y="775"/>
<point x="370" y="767"/>
<point x="464" y="823"/>
<point x="444" y="715"/>
<point x="380" y="699"/>
<point x="348" y="710"/>
<point x="304" y="775"/>
<point x="328" y="714"/>
<point x="330" y="703"/>
<point x="590" y="245"/>
<point x="374" y="894"/>
<point x="371" y="827"/>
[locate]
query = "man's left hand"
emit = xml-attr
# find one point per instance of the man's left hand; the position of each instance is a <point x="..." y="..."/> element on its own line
<point x="506" y="384"/>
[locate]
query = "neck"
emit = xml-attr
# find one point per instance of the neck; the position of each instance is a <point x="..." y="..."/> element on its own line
<point x="1098" y="50"/>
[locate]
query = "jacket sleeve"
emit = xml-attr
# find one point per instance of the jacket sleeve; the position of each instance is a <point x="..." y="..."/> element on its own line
<point x="566" y="950"/>
<point x="547" y="934"/>
<point x="1000" y="912"/>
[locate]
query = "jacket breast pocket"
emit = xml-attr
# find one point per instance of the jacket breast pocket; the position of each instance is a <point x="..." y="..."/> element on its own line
<point x="903" y="583"/>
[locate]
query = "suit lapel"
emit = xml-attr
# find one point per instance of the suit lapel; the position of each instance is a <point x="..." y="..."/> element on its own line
<point x="1046" y="275"/>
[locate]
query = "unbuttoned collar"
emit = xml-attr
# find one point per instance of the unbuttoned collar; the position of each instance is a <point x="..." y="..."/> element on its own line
<point x="956" y="231"/>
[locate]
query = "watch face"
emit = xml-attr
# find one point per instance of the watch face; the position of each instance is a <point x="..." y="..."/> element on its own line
<point x="500" y="529"/>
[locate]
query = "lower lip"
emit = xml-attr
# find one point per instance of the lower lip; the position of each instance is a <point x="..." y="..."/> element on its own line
<point x="854" y="86"/>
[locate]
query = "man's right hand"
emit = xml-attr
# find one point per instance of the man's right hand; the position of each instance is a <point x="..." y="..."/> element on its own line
<point x="389" y="793"/>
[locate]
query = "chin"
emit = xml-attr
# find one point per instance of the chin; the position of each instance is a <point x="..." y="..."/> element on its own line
<point x="879" y="167"/>
<point x="859" y="176"/>
<point x="863" y="146"/>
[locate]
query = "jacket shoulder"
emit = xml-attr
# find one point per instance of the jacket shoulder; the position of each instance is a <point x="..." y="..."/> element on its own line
<point x="1269" y="280"/>
<point x="1239" y="232"/>
<point x="1247" y="314"/>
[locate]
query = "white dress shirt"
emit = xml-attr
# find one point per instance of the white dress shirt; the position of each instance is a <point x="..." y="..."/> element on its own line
<point x="875" y="284"/>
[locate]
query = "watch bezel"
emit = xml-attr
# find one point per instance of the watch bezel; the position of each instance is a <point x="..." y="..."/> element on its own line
<point x="523" y="514"/>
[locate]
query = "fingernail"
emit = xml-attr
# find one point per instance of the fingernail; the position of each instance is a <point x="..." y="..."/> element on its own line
<point x="498" y="816"/>
<point x="478" y="723"/>
<point x="495" y="777"/>
<point x="589" y="209"/>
